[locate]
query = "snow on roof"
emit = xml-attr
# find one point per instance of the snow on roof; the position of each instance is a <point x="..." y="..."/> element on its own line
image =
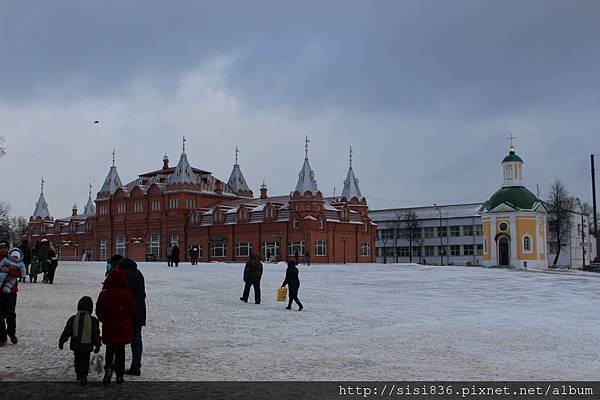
<point x="430" y="212"/>
<point x="310" y="218"/>
<point x="330" y="207"/>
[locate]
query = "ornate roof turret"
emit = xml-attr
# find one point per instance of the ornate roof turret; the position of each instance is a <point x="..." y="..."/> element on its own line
<point x="306" y="177"/>
<point x="183" y="173"/>
<point x="41" y="207"/>
<point x="90" y="208"/>
<point x="351" y="188"/>
<point x="112" y="181"/>
<point x="236" y="179"/>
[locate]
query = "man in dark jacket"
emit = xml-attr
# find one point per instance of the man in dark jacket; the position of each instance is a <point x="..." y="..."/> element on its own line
<point x="44" y="258"/>
<point x="8" y="301"/>
<point x="252" y="275"/>
<point x="194" y="254"/>
<point x="293" y="282"/>
<point x="175" y="256"/>
<point x="138" y="288"/>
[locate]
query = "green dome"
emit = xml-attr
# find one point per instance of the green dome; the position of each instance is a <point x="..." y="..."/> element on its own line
<point x="512" y="157"/>
<point x="517" y="196"/>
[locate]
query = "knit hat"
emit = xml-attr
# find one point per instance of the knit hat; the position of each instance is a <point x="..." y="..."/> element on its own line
<point x="16" y="254"/>
<point x="85" y="304"/>
<point x="4" y="242"/>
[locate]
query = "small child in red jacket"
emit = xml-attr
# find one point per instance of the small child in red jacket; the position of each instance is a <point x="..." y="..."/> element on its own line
<point x="115" y="308"/>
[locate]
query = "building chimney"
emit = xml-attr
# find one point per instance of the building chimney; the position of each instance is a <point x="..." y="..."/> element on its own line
<point x="263" y="191"/>
<point x="74" y="210"/>
<point x="165" y="162"/>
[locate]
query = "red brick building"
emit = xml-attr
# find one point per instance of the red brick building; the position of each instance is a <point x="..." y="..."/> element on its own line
<point x="191" y="207"/>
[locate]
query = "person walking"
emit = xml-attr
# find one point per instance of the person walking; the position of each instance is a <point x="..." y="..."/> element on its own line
<point x="26" y="250"/>
<point x="194" y="254"/>
<point x="113" y="262"/>
<point x="35" y="268"/>
<point x="293" y="282"/>
<point x="252" y="275"/>
<point x="44" y="259"/>
<point x="53" y="264"/>
<point x="175" y="255"/>
<point x="115" y="308"/>
<point x="307" y="258"/>
<point x="135" y="279"/>
<point x="83" y="333"/>
<point x="8" y="301"/>
<point x="170" y="256"/>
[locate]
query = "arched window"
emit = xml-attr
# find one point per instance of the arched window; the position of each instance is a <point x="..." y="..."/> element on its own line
<point x="527" y="244"/>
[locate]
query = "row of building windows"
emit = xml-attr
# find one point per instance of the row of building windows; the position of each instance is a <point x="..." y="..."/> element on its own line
<point x="431" y="251"/>
<point x="430" y="232"/>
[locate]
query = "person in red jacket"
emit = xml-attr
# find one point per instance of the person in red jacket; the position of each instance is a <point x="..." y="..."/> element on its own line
<point x="8" y="302"/>
<point x="115" y="308"/>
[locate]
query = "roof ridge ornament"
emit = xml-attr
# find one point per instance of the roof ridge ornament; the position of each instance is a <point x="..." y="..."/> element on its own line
<point x="307" y="141"/>
<point x="510" y="138"/>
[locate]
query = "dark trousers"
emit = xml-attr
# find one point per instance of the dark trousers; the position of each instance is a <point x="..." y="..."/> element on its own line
<point x="8" y="316"/>
<point x="82" y="363"/>
<point x="195" y="261"/>
<point x="256" y="285"/>
<point x="169" y="261"/>
<point x="115" y="358"/>
<point x="136" y="347"/>
<point x="51" y="272"/>
<point x="293" y="296"/>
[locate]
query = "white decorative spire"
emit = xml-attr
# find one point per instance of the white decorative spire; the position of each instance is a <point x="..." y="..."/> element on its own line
<point x="41" y="207"/>
<point x="351" y="188"/>
<point x="112" y="181"/>
<point x="183" y="173"/>
<point x="90" y="208"/>
<point x="306" y="177"/>
<point x="236" y="180"/>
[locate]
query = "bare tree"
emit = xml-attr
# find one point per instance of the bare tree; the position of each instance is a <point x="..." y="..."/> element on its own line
<point x="397" y="233"/>
<point x="18" y="228"/>
<point x="4" y="221"/>
<point x="410" y="221"/>
<point x="559" y="206"/>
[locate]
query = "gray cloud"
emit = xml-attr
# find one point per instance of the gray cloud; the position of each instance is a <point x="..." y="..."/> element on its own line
<point x="426" y="92"/>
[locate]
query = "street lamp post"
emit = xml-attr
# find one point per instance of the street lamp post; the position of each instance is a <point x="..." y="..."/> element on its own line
<point x="582" y="234"/>
<point x="344" y="239"/>
<point x="439" y="209"/>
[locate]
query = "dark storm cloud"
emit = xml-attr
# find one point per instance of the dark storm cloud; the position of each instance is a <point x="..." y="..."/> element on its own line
<point x="425" y="90"/>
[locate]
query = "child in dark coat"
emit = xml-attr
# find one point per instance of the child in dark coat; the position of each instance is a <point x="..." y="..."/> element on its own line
<point x="293" y="282"/>
<point x="115" y="309"/>
<point x="83" y="331"/>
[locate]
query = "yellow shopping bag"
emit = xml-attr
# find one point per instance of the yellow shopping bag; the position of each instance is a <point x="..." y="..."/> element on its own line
<point x="281" y="294"/>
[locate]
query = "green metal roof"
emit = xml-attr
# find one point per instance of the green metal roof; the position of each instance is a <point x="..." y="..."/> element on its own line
<point x="516" y="196"/>
<point x="512" y="157"/>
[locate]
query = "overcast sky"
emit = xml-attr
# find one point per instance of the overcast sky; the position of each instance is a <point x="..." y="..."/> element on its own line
<point x="426" y="92"/>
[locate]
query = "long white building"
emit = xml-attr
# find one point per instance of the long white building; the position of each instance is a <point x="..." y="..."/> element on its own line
<point x="452" y="235"/>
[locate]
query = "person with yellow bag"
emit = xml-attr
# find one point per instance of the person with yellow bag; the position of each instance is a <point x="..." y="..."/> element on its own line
<point x="293" y="282"/>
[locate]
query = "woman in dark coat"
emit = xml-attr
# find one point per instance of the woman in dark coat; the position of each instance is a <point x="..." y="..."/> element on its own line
<point x="115" y="308"/>
<point x="293" y="282"/>
<point x="175" y="255"/>
<point x="24" y="246"/>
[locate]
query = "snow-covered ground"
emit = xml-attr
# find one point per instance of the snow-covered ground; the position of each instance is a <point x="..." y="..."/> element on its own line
<point x="371" y="322"/>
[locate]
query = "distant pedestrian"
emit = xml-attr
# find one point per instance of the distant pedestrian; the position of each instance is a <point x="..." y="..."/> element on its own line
<point x="170" y="256"/>
<point x="83" y="331"/>
<point x="24" y="246"/>
<point x="175" y="256"/>
<point x="252" y="276"/>
<point x="135" y="279"/>
<point x="194" y="254"/>
<point x="115" y="308"/>
<point x="296" y="257"/>
<point x="53" y="264"/>
<point x="293" y="282"/>
<point x="44" y="259"/>
<point x="307" y="258"/>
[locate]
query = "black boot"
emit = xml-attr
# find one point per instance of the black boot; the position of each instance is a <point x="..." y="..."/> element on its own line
<point x="13" y="339"/>
<point x="107" y="376"/>
<point x="133" y="372"/>
<point x="83" y="380"/>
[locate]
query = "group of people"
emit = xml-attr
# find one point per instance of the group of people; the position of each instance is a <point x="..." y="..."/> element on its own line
<point x="121" y="309"/>
<point x="41" y="259"/>
<point x="173" y="256"/>
<point x="253" y="273"/>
